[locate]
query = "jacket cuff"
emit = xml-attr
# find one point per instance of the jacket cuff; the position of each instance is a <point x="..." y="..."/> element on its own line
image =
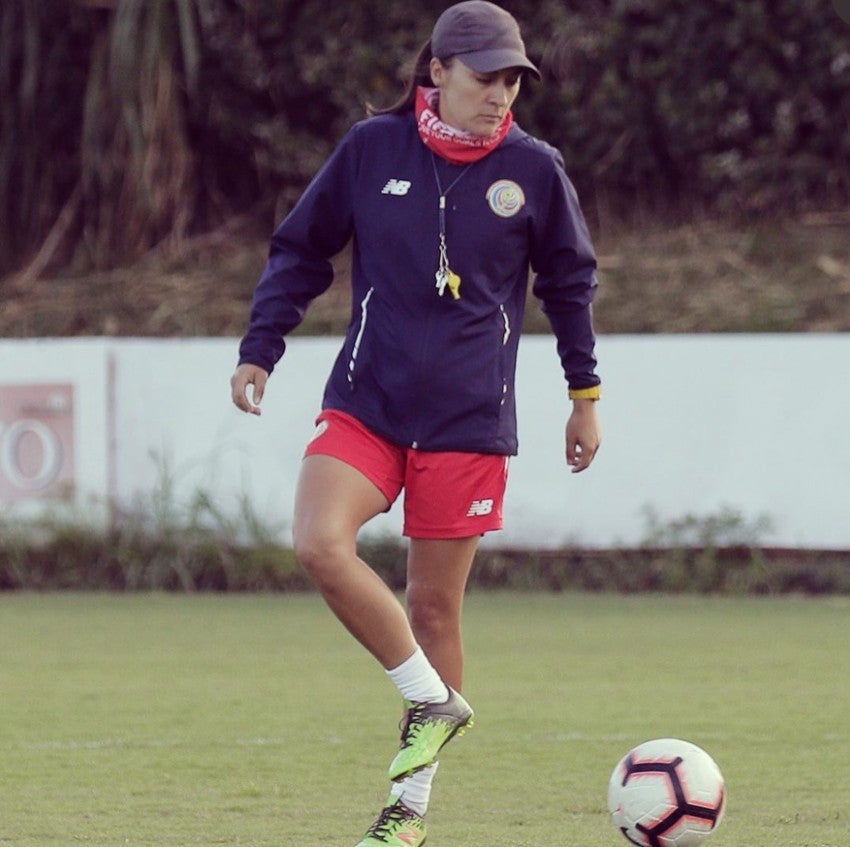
<point x="592" y="393"/>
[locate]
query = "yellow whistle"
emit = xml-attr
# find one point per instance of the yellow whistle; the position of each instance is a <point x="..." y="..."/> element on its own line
<point x="454" y="285"/>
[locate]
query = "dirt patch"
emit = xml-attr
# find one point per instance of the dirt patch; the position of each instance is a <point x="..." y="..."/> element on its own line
<point x="786" y="276"/>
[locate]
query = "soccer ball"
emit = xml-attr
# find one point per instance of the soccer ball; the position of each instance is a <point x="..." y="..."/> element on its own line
<point x="666" y="793"/>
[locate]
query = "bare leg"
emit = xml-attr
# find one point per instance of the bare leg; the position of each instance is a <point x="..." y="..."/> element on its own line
<point x="437" y="572"/>
<point x="333" y="500"/>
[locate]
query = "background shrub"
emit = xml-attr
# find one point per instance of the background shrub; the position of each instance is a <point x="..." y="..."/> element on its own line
<point x="169" y="117"/>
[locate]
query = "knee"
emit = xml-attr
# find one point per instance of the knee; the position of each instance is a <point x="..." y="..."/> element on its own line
<point x="433" y="613"/>
<point x="320" y="554"/>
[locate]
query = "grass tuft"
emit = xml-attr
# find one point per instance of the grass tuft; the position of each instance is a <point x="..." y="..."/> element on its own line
<point x="160" y="545"/>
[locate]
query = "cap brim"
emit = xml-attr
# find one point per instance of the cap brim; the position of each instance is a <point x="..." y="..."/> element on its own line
<point x="490" y="61"/>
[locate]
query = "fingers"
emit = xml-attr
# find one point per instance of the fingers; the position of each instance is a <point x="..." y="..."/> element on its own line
<point x="243" y="377"/>
<point x="583" y="438"/>
<point x="579" y="458"/>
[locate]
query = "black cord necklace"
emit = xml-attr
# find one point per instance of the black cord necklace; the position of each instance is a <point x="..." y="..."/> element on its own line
<point x="445" y="276"/>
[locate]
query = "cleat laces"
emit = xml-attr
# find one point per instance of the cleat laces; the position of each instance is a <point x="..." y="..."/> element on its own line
<point x="389" y="818"/>
<point x="412" y="724"/>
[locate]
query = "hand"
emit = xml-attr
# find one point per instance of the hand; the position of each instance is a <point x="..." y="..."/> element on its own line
<point x="244" y="376"/>
<point x="583" y="435"/>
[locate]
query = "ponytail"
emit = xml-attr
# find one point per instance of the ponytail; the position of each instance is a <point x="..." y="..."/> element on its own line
<point x="419" y="75"/>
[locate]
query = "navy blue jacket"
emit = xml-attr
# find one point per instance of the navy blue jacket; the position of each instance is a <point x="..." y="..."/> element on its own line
<point x="421" y="369"/>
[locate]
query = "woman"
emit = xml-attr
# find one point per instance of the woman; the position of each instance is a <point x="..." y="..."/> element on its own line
<point x="448" y="203"/>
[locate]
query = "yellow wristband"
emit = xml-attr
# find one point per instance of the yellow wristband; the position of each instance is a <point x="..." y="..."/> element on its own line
<point x="592" y="393"/>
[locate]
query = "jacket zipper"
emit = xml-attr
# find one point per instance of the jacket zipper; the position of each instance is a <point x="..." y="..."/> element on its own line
<point x="364" y="314"/>
<point x="505" y="338"/>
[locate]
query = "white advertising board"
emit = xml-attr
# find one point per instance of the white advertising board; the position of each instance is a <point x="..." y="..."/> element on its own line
<point x="692" y="425"/>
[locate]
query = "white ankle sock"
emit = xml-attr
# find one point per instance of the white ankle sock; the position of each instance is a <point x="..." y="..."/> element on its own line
<point x="415" y="790"/>
<point x="417" y="680"/>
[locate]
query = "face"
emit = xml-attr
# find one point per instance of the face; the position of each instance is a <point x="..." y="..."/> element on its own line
<point x="471" y="101"/>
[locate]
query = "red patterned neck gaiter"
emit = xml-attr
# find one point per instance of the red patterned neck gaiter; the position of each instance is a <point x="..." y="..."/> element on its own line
<point x="454" y="145"/>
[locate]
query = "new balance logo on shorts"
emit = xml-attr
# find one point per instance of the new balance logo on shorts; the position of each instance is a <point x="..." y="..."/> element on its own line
<point x="479" y="508"/>
<point x="397" y="187"/>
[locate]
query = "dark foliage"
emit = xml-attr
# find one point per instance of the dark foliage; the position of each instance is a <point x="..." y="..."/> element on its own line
<point x="132" y="123"/>
<point x="76" y="558"/>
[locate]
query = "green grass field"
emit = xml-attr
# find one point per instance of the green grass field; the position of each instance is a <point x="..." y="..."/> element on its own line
<point x="255" y="720"/>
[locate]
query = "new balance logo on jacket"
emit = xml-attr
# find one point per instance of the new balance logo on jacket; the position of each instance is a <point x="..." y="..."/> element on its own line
<point x="398" y="187"/>
<point x="479" y="508"/>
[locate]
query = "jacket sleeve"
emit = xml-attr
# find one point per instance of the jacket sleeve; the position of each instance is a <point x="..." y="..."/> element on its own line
<point x="299" y="266"/>
<point x="564" y="261"/>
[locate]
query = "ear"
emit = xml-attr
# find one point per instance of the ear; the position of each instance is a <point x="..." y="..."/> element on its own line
<point x="438" y="70"/>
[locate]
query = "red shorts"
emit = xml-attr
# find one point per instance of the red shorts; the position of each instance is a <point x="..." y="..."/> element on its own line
<point x="446" y="495"/>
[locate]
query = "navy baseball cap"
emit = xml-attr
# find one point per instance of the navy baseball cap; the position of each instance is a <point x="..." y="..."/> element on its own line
<point x="482" y="35"/>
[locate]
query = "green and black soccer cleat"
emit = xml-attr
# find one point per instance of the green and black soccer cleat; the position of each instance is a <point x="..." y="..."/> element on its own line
<point x="396" y="826"/>
<point x="428" y="727"/>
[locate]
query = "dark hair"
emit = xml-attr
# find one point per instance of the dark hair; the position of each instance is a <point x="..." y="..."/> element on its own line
<point x="420" y="74"/>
